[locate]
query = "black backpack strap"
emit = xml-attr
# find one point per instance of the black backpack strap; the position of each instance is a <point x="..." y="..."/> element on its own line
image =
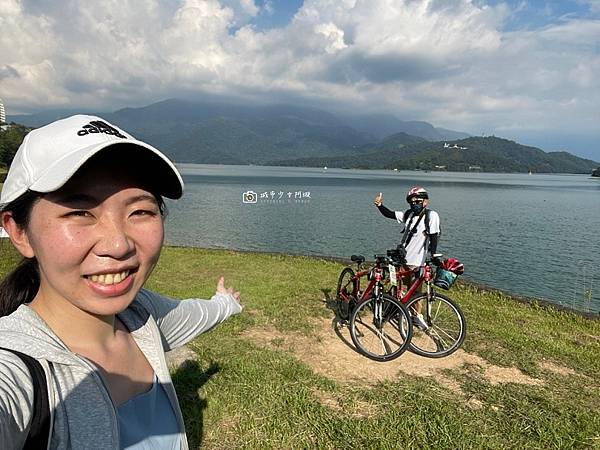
<point x="409" y="232"/>
<point x="427" y="212"/>
<point x="40" y="419"/>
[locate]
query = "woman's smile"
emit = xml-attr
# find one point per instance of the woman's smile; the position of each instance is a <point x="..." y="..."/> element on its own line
<point x="111" y="284"/>
<point x="109" y="278"/>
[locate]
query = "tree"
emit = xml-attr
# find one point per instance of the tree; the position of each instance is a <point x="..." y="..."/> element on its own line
<point x="10" y="140"/>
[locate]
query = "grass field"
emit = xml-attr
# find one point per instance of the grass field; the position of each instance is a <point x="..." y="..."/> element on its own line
<point x="279" y="376"/>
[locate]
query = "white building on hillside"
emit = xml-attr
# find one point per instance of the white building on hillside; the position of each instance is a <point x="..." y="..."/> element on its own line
<point x="2" y="113"/>
<point x="446" y="145"/>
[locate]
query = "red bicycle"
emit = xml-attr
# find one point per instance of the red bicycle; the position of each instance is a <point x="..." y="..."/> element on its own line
<point x="440" y="326"/>
<point x="380" y="325"/>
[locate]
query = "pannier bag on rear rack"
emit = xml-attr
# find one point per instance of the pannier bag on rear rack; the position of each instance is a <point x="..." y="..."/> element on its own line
<point x="448" y="272"/>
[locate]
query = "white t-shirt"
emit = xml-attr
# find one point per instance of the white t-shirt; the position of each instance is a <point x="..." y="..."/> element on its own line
<point x="417" y="247"/>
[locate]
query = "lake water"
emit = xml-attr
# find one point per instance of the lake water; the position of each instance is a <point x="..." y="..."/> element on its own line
<point x="532" y="235"/>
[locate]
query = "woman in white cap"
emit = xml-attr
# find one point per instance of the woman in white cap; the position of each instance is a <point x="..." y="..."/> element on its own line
<point x="82" y="203"/>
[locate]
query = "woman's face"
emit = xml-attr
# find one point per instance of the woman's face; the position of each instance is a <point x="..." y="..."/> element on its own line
<point x="96" y="240"/>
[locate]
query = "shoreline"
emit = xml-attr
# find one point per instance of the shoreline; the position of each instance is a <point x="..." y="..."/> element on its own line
<point x="472" y="284"/>
<point x="180" y="165"/>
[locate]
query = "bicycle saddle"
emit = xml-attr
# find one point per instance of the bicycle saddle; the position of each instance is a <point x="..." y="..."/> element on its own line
<point x="358" y="259"/>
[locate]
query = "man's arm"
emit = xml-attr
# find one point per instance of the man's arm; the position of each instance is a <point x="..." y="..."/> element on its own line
<point x="377" y="201"/>
<point x="433" y="242"/>
<point x="434" y="230"/>
<point x="386" y="212"/>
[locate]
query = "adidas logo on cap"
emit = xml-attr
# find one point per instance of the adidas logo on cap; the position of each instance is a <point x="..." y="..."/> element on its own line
<point x="98" y="126"/>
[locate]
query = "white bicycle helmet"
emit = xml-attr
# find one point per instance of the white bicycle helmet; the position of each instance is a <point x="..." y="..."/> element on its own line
<point x="418" y="192"/>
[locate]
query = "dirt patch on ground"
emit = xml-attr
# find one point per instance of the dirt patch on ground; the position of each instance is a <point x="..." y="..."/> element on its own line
<point x="178" y="357"/>
<point x="330" y="353"/>
<point x="555" y="368"/>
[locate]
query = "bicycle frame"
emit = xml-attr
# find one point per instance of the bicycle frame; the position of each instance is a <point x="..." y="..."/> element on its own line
<point x="426" y="277"/>
<point x="356" y="281"/>
<point x="367" y="292"/>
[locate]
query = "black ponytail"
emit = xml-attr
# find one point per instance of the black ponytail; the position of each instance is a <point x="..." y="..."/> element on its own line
<point x="21" y="285"/>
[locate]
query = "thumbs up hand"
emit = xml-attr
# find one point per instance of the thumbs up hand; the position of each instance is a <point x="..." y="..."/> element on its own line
<point x="378" y="199"/>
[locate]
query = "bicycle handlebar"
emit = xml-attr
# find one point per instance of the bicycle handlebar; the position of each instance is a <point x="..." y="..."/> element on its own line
<point x="435" y="259"/>
<point x="397" y="257"/>
<point x="382" y="259"/>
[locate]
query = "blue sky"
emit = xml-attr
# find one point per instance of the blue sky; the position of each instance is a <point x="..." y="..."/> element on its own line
<point x="521" y="69"/>
<point x="276" y="13"/>
<point x="525" y="14"/>
<point x="539" y="14"/>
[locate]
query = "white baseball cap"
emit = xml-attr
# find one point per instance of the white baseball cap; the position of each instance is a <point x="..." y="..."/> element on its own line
<point x="49" y="156"/>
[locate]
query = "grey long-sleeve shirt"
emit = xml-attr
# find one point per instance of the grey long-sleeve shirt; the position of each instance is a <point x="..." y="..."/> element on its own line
<point x="82" y="412"/>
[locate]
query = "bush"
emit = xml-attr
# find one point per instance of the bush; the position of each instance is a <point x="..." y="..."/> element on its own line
<point x="10" y="140"/>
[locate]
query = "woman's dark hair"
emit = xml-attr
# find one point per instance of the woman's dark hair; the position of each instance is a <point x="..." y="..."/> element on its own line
<point x="20" y="285"/>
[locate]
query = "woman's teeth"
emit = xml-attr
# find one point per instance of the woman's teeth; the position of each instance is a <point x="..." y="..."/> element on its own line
<point x="109" y="278"/>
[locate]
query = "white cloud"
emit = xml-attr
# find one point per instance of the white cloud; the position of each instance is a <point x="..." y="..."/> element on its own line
<point x="449" y="61"/>
<point x="196" y="34"/>
<point x="334" y="36"/>
<point x="243" y="11"/>
<point x="26" y="56"/>
<point x="593" y="5"/>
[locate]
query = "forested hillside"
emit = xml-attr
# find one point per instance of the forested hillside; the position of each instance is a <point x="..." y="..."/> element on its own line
<point x="219" y="132"/>
<point x="489" y="154"/>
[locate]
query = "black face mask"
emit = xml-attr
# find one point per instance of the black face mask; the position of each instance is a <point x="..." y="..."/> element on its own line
<point x="416" y="208"/>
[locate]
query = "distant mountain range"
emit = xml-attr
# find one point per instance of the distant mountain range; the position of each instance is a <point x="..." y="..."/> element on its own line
<point x="489" y="154"/>
<point x="220" y="132"/>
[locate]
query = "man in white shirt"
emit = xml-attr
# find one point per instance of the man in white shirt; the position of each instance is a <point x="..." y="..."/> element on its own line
<point x="421" y="228"/>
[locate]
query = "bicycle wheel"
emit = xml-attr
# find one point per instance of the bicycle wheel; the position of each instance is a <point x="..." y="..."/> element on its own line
<point x="445" y="328"/>
<point x="380" y="328"/>
<point x="346" y="295"/>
